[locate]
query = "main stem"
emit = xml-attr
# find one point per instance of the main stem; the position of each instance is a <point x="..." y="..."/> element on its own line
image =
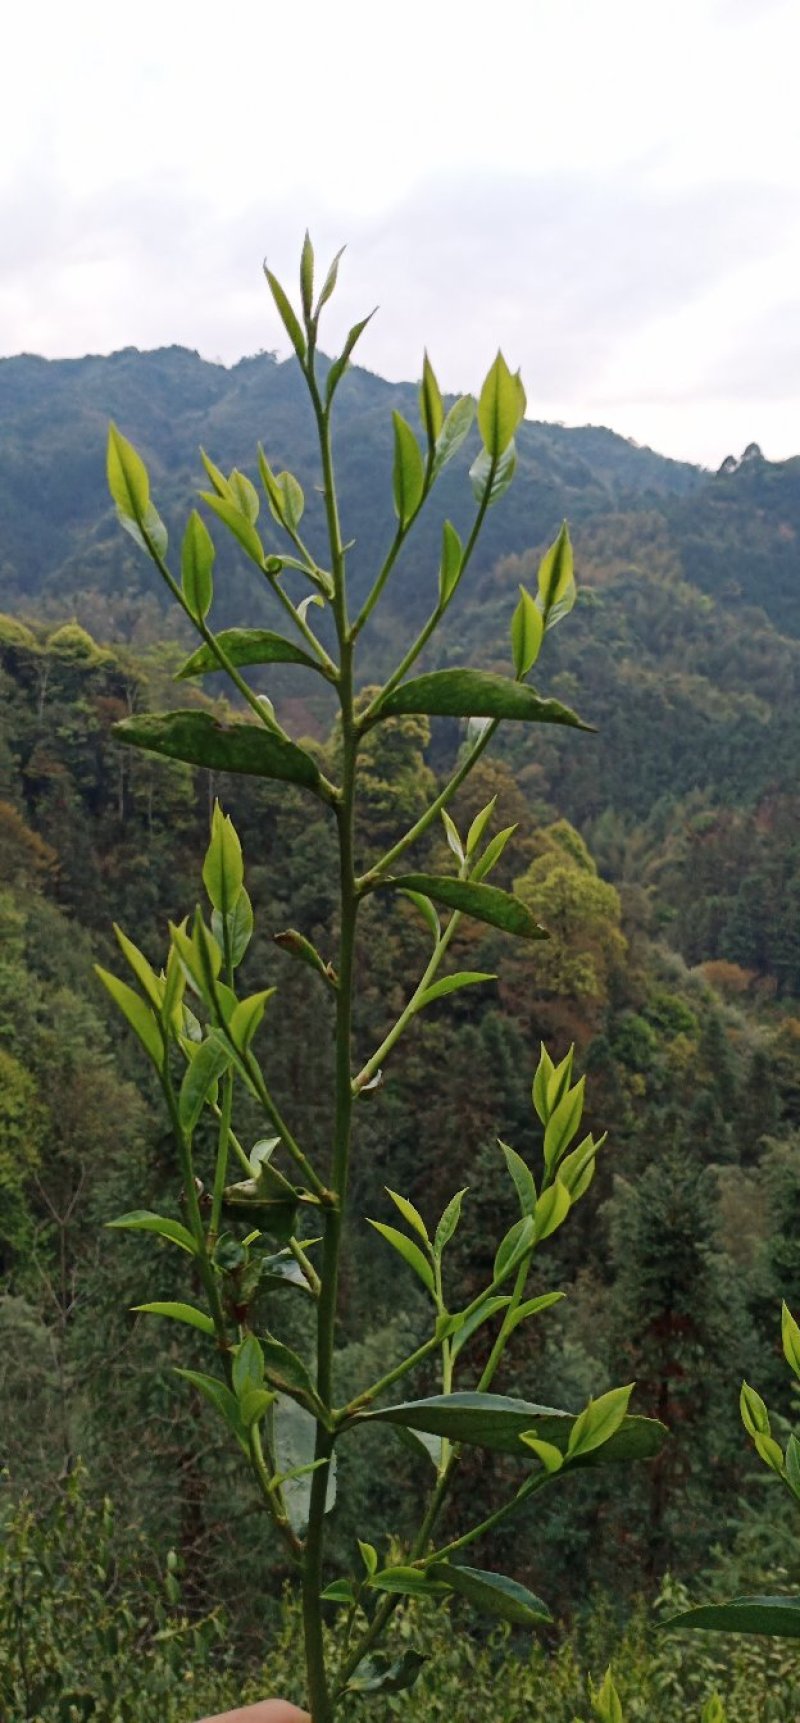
<point x="320" y="1701"/>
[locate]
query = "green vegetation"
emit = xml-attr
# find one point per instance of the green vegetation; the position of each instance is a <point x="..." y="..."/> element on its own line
<point x="662" y="855"/>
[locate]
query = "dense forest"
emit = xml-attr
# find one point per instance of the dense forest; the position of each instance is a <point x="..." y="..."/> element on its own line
<point x="662" y="853"/>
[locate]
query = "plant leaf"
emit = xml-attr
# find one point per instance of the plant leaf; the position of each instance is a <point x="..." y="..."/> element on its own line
<point x="476" y="1318"/>
<point x="286" y="314"/>
<point x="777" y="1617"/>
<point x="220" y="1397"/>
<point x="484" y="902"/>
<point x="204" y="1070"/>
<point x="449" y="1221"/>
<point x="409" y="1213"/>
<point x="523" y="1178"/>
<point x="491" y="478"/>
<point x="431" y="406"/>
<point x="497" y="1422"/>
<point x="238" y="525"/>
<point x="456" y="427"/>
<point x="379" y="1674"/>
<point x="408" y="477"/>
<point x="451" y="984"/>
<point x="340" y="365"/>
<point x="179" y="1313"/>
<point x="494" y="1594"/>
<point x="245" y="646"/>
<point x="467" y="693"/>
<point x="143" y="1220"/>
<point x="138" y="1014"/>
<point x="201" y="740"/>
<point x="500" y="408"/>
<point x="451" y="563"/>
<point x="527" y="633"/>
<point x="409" y="1251"/>
<point x="197" y="562"/>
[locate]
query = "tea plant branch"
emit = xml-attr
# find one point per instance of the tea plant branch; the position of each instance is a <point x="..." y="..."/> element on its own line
<point x="374" y="875"/>
<point x="204" y="1264"/>
<point x="373" y="1065"/>
<point x="401" y="534"/>
<point x="531" y="1488"/>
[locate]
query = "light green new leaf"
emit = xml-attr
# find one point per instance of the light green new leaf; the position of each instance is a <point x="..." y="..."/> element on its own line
<point x="201" y="1076"/>
<point x="248" y="1365"/>
<point x="340" y="365"/>
<point x="307" y="277"/>
<point x="329" y="283"/>
<point x="544" y="1072"/>
<point x="127" y="476"/>
<point x="237" y="524"/>
<point x="223" y="867"/>
<point x="138" y="1014"/>
<point x="202" y="740"/>
<point x="243" y="492"/>
<point x="522" y="1177"/>
<point x="563" y="1124"/>
<point x="479" y="825"/>
<point x="598" y="1422"/>
<point x="246" y="646"/>
<point x="239" y="926"/>
<point x="492" y="853"/>
<point x="493" y="1594"/>
<point x="518" y="1241"/>
<point x="755" y="1416"/>
<point x="143" y="1220"/>
<point x="197" y="563"/>
<point x="408" y="473"/>
<point x="483" y="902"/>
<point x="556" y="579"/>
<point x="179" y="1313"/>
<point x="217" y="478"/>
<point x="451" y="984"/>
<point x="449" y="1221"/>
<point x="527" y="633"/>
<point x="286" y="314"/>
<point x="532" y="1306"/>
<point x="246" y="1018"/>
<point x="220" y="1397"/>
<point x="476" y="1319"/>
<point x="451" y="563"/>
<point x="454" y="431"/>
<point x="409" y="1251"/>
<point x="467" y="693"/>
<point x="426" y="909"/>
<point x="551" y="1457"/>
<point x="491" y="478"/>
<point x="407" y="1582"/>
<point x="790" y="1336"/>
<point x="431" y="406"/>
<point x="410" y="1214"/>
<point x="552" y="1208"/>
<point x="146" y="976"/>
<point x="606" y="1702"/>
<point x="500" y="408"/>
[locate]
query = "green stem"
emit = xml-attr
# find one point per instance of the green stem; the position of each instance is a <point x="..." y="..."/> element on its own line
<point x="504" y="1331"/>
<point x="221" y="1165"/>
<point x="320" y="1700"/>
<point x="273" y="1499"/>
<point x="204" y="1264"/>
<point x="531" y="1488"/>
<point x="369" y="880"/>
<point x="374" y="1064"/>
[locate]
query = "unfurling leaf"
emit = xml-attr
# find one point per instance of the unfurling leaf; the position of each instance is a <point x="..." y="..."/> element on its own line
<point x="544" y="1072"/>
<point x="556" y="580"/>
<point x="297" y="946"/>
<point x="790" y="1335"/>
<point x="755" y="1416"/>
<point x="449" y="1221"/>
<point x="551" y="1457"/>
<point x="456" y="427"/>
<point x="307" y="277"/>
<point x="606" y="1702"/>
<point x="563" y="1124"/>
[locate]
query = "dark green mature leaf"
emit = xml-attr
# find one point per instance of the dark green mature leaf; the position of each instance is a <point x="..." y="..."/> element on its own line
<point x="777" y="1617"/>
<point x="408" y="472"/>
<point x="143" y="1220"/>
<point x="202" y="740"/>
<point x="379" y="1674"/>
<point x="245" y="646"/>
<point x="494" y="1594"/>
<point x="474" y="694"/>
<point x="497" y="1422"/>
<point x="484" y="902"/>
<point x="283" y="1368"/>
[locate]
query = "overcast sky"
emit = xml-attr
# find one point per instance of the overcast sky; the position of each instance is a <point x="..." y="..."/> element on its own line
<point x="610" y="189"/>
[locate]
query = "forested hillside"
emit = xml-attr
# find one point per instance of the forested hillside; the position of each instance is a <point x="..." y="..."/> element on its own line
<point x="662" y="853"/>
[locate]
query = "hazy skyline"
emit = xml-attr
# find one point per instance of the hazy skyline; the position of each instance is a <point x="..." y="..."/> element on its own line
<point x="610" y="192"/>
